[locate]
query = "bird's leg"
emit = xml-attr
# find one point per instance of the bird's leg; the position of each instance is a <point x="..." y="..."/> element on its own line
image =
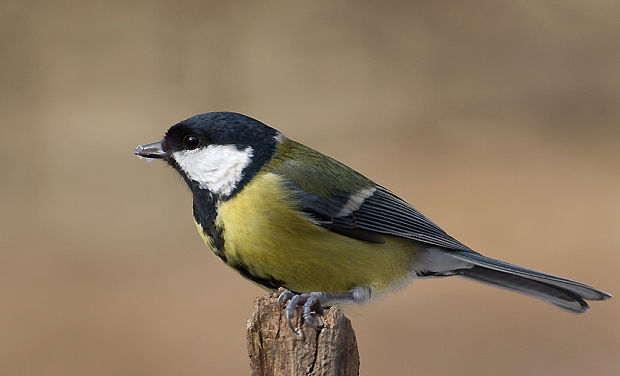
<point x="313" y="303"/>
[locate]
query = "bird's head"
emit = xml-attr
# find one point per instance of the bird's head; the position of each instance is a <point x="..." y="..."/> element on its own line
<point x="217" y="151"/>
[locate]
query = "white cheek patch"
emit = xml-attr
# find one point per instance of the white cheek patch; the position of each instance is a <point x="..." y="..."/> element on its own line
<point x="217" y="168"/>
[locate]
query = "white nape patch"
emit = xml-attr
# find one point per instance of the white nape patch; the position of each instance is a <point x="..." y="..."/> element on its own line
<point x="217" y="168"/>
<point x="279" y="137"/>
<point x="355" y="201"/>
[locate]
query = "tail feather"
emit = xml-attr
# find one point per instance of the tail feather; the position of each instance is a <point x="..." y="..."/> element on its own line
<point x="552" y="294"/>
<point x="562" y="292"/>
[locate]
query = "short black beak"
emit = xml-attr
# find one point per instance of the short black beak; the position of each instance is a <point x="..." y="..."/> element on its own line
<point x="153" y="150"/>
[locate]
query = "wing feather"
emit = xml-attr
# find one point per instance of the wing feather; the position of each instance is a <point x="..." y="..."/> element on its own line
<point x="385" y="212"/>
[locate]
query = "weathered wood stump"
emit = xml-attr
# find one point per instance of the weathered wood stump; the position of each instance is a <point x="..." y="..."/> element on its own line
<point x="276" y="350"/>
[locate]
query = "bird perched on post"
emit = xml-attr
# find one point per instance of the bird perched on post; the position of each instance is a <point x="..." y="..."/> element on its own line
<point x="285" y="215"/>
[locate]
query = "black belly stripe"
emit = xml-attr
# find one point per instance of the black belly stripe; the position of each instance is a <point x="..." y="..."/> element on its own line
<point x="268" y="282"/>
<point x="205" y="212"/>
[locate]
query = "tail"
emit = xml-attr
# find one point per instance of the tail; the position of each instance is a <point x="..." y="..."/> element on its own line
<point x="564" y="293"/>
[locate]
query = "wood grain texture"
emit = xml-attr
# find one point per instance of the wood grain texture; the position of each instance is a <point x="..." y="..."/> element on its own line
<point x="274" y="349"/>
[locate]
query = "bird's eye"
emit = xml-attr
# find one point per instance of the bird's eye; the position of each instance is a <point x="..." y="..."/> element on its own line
<point x="191" y="142"/>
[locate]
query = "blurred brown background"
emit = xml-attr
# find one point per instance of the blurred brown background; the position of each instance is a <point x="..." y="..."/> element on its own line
<point x="499" y="120"/>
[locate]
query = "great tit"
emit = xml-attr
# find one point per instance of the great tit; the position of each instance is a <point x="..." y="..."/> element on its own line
<point x="286" y="216"/>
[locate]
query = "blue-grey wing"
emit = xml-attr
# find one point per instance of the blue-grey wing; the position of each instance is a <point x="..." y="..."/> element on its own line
<point x="380" y="212"/>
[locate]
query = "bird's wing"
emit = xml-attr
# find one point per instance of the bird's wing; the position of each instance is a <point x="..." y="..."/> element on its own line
<point x="344" y="201"/>
<point x="382" y="212"/>
<point x="386" y="213"/>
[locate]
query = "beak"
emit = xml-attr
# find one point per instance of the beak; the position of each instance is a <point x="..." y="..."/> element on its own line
<point x="153" y="150"/>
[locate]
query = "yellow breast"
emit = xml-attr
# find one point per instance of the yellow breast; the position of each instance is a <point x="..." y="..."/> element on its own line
<point x="265" y="233"/>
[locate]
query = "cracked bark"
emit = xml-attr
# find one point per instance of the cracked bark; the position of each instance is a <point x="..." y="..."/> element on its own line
<point x="275" y="350"/>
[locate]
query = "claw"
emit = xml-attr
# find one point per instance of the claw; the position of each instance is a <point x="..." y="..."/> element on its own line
<point x="312" y="309"/>
<point x="295" y="301"/>
<point x="313" y="304"/>
<point x="284" y="297"/>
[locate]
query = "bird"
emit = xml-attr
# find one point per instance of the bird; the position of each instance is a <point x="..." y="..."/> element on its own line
<point x="294" y="220"/>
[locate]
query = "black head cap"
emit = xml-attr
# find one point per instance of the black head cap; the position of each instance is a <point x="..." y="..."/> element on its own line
<point x="219" y="128"/>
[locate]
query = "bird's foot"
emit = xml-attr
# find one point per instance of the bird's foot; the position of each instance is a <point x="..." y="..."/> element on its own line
<point x="313" y="304"/>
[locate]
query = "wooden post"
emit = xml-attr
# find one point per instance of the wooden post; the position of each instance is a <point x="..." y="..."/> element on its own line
<point x="276" y="350"/>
